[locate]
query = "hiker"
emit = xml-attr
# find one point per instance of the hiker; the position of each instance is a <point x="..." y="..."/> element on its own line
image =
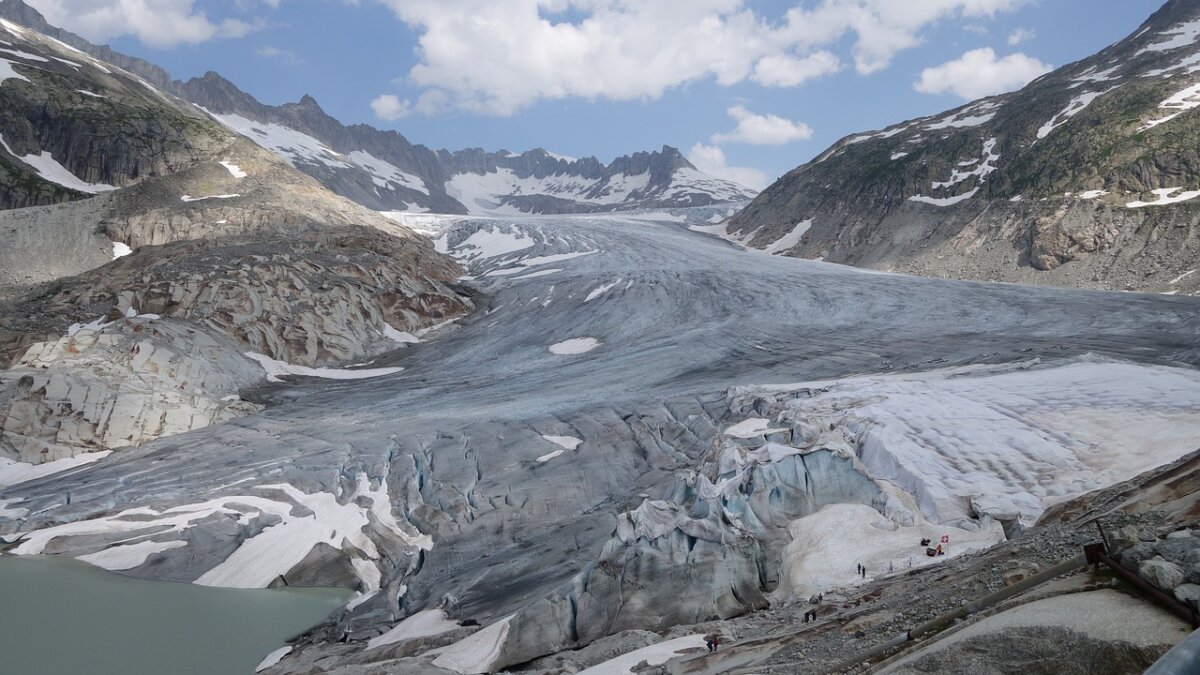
<point x="806" y="613"/>
<point x="858" y="568"/>
<point x="891" y="567"/>
<point x="711" y="641"/>
<point x="820" y="597"/>
<point x="940" y="551"/>
<point x="864" y="571"/>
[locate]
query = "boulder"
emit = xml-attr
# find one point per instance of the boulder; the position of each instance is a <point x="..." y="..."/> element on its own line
<point x="1162" y="573"/>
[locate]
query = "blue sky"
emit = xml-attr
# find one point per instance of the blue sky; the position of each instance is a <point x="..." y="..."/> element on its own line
<point x="594" y="77"/>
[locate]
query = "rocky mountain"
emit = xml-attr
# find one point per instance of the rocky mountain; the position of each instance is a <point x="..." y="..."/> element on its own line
<point x="384" y="171"/>
<point x="153" y="263"/>
<point x="1085" y="177"/>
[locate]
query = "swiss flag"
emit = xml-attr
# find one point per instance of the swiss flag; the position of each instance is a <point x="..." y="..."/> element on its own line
<point x="945" y="539"/>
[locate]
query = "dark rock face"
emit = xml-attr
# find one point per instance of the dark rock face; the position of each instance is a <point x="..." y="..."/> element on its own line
<point x="1041" y="185"/>
<point x="105" y="127"/>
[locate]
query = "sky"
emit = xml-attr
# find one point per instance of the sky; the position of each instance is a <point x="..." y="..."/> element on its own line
<point x="747" y="89"/>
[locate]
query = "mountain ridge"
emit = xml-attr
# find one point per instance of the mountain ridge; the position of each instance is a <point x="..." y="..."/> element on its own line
<point x="1054" y="183"/>
<point x="384" y="171"/>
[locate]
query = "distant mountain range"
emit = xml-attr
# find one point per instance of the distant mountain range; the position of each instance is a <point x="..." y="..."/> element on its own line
<point x="383" y="171"/>
<point x="1088" y="176"/>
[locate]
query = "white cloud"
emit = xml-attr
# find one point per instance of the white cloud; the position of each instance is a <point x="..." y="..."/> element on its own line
<point x="758" y="129"/>
<point x="785" y="70"/>
<point x="157" y="23"/>
<point x="284" y="55"/>
<point x="390" y="108"/>
<point x="979" y="73"/>
<point x="1020" y="35"/>
<point x="711" y="160"/>
<point x="498" y="57"/>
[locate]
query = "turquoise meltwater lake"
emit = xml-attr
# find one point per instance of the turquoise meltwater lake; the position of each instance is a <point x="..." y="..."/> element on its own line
<point x="64" y="617"/>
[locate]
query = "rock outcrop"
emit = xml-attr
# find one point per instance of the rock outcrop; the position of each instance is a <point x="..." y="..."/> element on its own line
<point x="120" y="383"/>
<point x="1085" y="178"/>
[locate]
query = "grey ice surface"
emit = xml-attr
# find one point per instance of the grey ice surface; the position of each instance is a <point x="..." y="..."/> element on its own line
<point x="459" y="431"/>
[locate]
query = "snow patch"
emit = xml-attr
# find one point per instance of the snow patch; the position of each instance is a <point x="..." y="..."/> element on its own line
<point x="277" y="369"/>
<point x="13" y="472"/>
<point x="234" y="170"/>
<point x="399" y="336"/>
<point x="44" y="164"/>
<point x="574" y="346"/>
<point x="791" y="239"/>
<point x="189" y="198"/>
<point x="478" y="652"/>
<point x="1073" y="108"/>
<point x="750" y="428"/>
<point x="1166" y="196"/>
<point x="943" y="201"/>
<point x="1180" y="35"/>
<point x="273" y="658"/>
<point x="654" y="655"/>
<point x="1181" y="101"/>
<point x="426" y="623"/>
<point x="120" y="250"/>
<point x="600" y="290"/>
<point x="567" y="442"/>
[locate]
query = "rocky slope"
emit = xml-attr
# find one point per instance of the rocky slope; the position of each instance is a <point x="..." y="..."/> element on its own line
<point x="381" y="170"/>
<point x="1085" y="177"/>
<point x="156" y="247"/>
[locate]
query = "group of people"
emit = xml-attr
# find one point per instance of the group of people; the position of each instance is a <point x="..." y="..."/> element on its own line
<point x="930" y="550"/>
<point x="862" y="570"/>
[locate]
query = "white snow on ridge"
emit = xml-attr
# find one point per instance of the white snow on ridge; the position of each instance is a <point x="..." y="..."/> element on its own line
<point x="120" y="250"/>
<point x="985" y="167"/>
<point x="1091" y="75"/>
<point x="1177" y="36"/>
<point x="385" y="174"/>
<point x="1092" y="194"/>
<point x="44" y="164"/>
<point x="277" y="369"/>
<point x="971" y="117"/>
<point x="89" y="93"/>
<point x="1181" y="101"/>
<point x="1073" y="108"/>
<point x="289" y="144"/>
<point x="1166" y="196"/>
